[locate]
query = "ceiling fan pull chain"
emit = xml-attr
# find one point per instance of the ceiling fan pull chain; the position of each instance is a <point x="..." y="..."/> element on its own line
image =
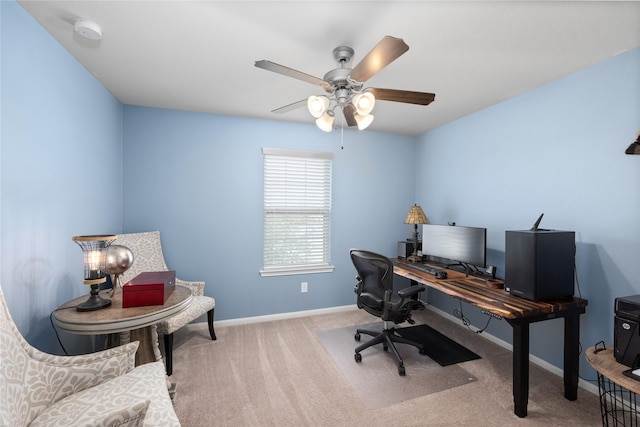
<point x="342" y="133"/>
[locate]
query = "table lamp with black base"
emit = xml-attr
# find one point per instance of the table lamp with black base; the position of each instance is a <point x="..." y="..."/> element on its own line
<point x="94" y="250"/>
<point x="415" y="216"/>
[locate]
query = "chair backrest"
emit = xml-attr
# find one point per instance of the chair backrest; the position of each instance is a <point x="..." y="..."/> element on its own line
<point x="147" y="253"/>
<point x="14" y="360"/>
<point x="375" y="272"/>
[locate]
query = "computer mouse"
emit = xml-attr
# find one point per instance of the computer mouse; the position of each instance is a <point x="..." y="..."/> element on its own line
<point x="441" y="275"/>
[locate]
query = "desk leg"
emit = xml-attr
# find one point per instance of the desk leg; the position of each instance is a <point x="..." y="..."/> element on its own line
<point x="571" y="356"/>
<point x="520" y="368"/>
<point x="414" y="283"/>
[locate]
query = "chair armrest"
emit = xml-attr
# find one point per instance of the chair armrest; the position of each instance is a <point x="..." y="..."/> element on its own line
<point x="411" y="291"/>
<point x="123" y="355"/>
<point x="197" y="288"/>
<point x="61" y="376"/>
<point x="113" y="411"/>
<point x="130" y="414"/>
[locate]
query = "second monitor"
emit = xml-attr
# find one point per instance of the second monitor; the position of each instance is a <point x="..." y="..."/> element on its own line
<point x="464" y="245"/>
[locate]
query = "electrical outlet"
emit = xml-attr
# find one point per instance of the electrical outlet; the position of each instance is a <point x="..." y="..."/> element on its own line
<point x="304" y="287"/>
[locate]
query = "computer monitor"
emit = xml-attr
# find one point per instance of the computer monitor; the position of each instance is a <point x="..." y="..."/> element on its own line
<point x="463" y="245"/>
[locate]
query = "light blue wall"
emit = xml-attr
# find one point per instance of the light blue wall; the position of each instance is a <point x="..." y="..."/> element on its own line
<point x="558" y="150"/>
<point x="198" y="179"/>
<point x="61" y="150"/>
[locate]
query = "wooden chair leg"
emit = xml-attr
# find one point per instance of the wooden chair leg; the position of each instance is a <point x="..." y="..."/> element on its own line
<point x="210" y="321"/>
<point x="168" y="353"/>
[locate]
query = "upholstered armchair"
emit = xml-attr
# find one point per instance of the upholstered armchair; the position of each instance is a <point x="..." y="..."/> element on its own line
<point x="147" y="256"/>
<point x="97" y="389"/>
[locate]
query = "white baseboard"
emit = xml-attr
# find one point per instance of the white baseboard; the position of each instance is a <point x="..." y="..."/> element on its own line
<point x="534" y="359"/>
<point x="281" y="316"/>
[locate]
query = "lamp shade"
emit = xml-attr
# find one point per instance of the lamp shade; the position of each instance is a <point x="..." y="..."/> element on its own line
<point x="363" y="120"/>
<point x="416" y="216"/>
<point x="364" y="102"/>
<point x="317" y="105"/>
<point x="325" y="122"/>
<point x="93" y="250"/>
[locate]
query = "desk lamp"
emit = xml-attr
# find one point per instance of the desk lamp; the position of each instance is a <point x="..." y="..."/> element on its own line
<point x="94" y="250"/>
<point x="415" y="216"/>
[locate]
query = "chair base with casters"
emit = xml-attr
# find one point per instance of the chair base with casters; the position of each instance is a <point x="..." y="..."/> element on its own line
<point x="387" y="337"/>
<point x="375" y="295"/>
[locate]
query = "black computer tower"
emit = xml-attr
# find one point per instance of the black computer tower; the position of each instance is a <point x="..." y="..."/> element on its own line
<point x="626" y="333"/>
<point x="539" y="264"/>
<point x="405" y="249"/>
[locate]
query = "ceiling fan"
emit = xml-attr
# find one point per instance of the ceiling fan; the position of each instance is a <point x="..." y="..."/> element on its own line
<point x="344" y="86"/>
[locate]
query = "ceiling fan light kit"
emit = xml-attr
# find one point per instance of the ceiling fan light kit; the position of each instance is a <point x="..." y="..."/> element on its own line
<point x="364" y="102"/>
<point x="317" y="105"/>
<point x="325" y="122"/>
<point x="363" y="120"/>
<point x="345" y="86"/>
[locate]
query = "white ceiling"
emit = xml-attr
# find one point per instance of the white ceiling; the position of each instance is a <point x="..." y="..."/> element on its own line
<point x="199" y="55"/>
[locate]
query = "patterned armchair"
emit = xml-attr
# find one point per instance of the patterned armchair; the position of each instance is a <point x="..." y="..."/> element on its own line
<point x="97" y="389"/>
<point x="148" y="256"/>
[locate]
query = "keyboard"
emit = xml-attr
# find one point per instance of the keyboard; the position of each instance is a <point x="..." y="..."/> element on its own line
<point x="438" y="272"/>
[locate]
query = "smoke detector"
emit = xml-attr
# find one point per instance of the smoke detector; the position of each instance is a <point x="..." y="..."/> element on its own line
<point x="87" y="29"/>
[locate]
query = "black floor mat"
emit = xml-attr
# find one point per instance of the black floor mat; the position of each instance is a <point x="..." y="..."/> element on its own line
<point x="439" y="347"/>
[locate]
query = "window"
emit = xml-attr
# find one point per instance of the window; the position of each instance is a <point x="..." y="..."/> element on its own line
<point x="297" y="212"/>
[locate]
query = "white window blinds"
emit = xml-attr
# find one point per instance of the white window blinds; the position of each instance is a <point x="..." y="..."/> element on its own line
<point x="297" y="211"/>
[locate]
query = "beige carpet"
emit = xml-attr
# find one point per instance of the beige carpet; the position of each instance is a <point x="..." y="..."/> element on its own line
<point x="376" y="379"/>
<point x="279" y="374"/>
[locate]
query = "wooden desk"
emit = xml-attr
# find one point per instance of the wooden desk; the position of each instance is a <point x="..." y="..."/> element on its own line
<point x="134" y="323"/>
<point x="519" y="313"/>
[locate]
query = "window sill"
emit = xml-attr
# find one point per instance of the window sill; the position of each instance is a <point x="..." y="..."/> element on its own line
<point x="287" y="271"/>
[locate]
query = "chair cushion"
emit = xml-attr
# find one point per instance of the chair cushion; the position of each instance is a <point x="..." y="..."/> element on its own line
<point x="199" y="306"/>
<point x="371" y="300"/>
<point x="117" y="400"/>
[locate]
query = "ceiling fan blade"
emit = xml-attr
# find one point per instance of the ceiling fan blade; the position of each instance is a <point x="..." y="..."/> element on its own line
<point x="349" y="112"/>
<point x="290" y="107"/>
<point x="407" y="96"/>
<point x="384" y="53"/>
<point x="290" y="72"/>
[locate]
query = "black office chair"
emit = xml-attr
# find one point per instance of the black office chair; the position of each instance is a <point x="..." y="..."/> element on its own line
<point x="375" y="296"/>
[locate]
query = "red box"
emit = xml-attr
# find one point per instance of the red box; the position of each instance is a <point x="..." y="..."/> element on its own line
<point x="149" y="288"/>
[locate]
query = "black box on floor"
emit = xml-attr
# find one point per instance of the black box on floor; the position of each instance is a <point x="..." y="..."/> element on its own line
<point x="539" y="264"/>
